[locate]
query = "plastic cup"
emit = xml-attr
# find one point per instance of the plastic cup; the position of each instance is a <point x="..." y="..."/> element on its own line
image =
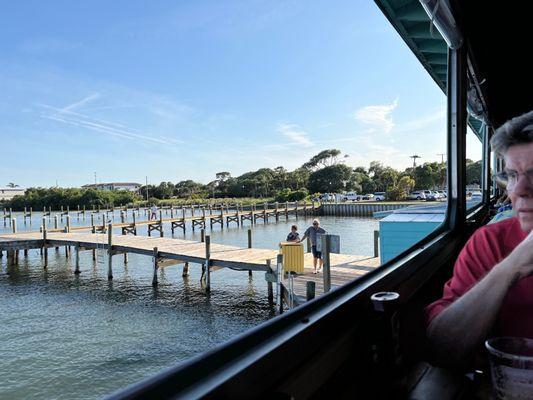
<point x="511" y="361"/>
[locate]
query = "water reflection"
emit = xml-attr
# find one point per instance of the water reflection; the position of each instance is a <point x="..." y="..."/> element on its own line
<point x="81" y="336"/>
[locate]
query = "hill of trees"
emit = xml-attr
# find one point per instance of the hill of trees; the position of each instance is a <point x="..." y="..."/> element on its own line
<point x="324" y="172"/>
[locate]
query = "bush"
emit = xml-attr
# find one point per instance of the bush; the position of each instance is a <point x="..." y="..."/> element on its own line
<point x="291" y="195"/>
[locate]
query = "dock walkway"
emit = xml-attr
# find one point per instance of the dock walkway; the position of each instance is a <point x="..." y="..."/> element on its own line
<point x="169" y="251"/>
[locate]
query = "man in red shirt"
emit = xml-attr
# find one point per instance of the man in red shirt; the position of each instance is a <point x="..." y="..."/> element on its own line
<point x="491" y="291"/>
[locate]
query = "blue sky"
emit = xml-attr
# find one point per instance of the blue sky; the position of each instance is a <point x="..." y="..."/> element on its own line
<point x="179" y="90"/>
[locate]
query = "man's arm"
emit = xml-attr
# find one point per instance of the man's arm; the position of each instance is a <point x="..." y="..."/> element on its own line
<point x="458" y="331"/>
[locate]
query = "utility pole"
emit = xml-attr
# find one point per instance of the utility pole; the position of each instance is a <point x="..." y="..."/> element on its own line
<point x="443" y="176"/>
<point x="95" y="182"/>
<point x="414" y="157"/>
<point x="146" y="186"/>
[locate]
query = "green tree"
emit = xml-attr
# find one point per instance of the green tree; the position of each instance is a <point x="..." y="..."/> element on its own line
<point x="334" y="178"/>
<point x="326" y="158"/>
<point x="473" y="172"/>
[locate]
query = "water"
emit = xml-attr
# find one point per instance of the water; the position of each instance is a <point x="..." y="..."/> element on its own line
<point x="65" y="336"/>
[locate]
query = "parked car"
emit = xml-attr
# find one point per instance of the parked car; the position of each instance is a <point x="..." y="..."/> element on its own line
<point x="434" y="195"/>
<point x="476" y="197"/>
<point x="417" y="195"/>
<point x="350" y="196"/>
<point x="443" y="193"/>
<point x="327" y="197"/>
<point x="379" y="196"/>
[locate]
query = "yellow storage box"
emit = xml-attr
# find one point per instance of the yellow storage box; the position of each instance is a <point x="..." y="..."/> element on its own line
<point x="293" y="257"/>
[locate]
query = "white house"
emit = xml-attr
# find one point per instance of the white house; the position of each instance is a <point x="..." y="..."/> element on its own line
<point x="7" y="193"/>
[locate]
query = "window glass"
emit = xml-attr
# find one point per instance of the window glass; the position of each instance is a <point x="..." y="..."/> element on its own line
<point x="474" y="153"/>
<point x="180" y="120"/>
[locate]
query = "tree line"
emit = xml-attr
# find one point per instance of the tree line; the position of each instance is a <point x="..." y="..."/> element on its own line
<point x="326" y="172"/>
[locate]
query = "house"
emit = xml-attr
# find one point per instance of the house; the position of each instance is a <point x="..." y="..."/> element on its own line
<point x="7" y="193"/>
<point x="129" y="186"/>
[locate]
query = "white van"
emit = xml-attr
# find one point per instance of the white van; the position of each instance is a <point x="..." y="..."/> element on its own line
<point x="380" y="196"/>
<point x="417" y="195"/>
<point x="350" y="196"/>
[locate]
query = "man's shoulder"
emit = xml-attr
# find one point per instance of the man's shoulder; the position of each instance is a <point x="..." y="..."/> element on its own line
<point x="507" y="229"/>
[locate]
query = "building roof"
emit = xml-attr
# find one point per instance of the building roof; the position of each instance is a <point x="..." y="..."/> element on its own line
<point x="413" y="24"/>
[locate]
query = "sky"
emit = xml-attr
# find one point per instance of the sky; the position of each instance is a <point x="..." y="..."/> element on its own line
<point x="172" y="90"/>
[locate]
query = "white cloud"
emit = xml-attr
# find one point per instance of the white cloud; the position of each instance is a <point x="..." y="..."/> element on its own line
<point x="377" y="116"/>
<point x="437" y="116"/>
<point x="295" y="134"/>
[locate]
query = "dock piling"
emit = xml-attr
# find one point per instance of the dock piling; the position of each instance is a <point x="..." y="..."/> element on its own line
<point x="77" y="269"/>
<point x="207" y="263"/>
<point x="109" y="251"/>
<point x="310" y="288"/>
<point x="269" y="283"/>
<point x="156" y="265"/>
<point x="44" y="248"/>
<point x="326" y="249"/>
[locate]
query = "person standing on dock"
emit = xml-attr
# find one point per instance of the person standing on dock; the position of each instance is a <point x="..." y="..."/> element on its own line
<point x="153" y="212"/>
<point x="312" y="233"/>
<point x="293" y="235"/>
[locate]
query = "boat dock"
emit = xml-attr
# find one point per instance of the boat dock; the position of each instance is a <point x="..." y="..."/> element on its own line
<point x="290" y="289"/>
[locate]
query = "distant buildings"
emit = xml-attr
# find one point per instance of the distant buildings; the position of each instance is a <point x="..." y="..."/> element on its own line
<point x="7" y="193"/>
<point x="129" y="186"/>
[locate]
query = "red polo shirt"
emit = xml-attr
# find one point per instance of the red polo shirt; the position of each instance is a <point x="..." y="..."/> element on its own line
<point x="488" y="246"/>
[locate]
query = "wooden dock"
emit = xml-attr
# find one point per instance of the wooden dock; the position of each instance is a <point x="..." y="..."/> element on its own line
<point x="169" y="251"/>
<point x="198" y="217"/>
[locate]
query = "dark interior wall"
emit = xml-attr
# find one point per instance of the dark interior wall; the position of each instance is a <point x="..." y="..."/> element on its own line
<point x="499" y="40"/>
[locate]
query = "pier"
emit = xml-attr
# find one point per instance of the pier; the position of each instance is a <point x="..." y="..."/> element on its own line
<point x="290" y="290"/>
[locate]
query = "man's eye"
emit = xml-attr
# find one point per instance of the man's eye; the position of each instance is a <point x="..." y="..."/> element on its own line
<point x="512" y="175"/>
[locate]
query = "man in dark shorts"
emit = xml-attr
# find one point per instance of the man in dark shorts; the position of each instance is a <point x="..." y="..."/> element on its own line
<point x="312" y="233"/>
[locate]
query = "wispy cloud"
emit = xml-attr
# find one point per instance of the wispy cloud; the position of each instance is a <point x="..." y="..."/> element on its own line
<point x="424" y="121"/>
<point x="80" y="103"/>
<point x="378" y="117"/>
<point x="66" y="116"/>
<point x="295" y="134"/>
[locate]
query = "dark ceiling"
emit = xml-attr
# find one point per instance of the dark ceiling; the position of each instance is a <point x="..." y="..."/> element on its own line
<point x="499" y="37"/>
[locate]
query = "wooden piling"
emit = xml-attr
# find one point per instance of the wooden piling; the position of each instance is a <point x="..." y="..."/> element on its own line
<point x="44" y="248"/>
<point x="93" y="230"/>
<point x="155" y="264"/>
<point x="109" y="251"/>
<point x="77" y="269"/>
<point x="376" y="243"/>
<point x="279" y="282"/>
<point x="326" y="249"/>
<point x="310" y="288"/>
<point x="250" y="273"/>
<point x="207" y="263"/>
<point x="270" y="289"/>
<point x="14" y="228"/>
<point x="185" y="272"/>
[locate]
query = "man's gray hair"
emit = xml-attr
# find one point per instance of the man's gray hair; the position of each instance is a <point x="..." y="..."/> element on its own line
<point x="518" y="130"/>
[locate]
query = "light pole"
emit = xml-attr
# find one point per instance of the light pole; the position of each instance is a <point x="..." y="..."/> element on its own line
<point x="146" y="186"/>
<point x="414" y="157"/>
<point x="443" y="176"/>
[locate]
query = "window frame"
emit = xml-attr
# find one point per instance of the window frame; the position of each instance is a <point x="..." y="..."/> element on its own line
<point x="290" y="343"/>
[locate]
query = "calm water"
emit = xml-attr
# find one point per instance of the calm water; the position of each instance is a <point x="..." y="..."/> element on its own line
<point x="65" y="336"/>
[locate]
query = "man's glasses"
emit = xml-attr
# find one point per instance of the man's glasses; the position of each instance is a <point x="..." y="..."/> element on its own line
<point x="510" y="178"/>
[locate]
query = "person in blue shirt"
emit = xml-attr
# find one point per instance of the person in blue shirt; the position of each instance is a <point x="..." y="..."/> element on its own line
<point x="312" y="233"/>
